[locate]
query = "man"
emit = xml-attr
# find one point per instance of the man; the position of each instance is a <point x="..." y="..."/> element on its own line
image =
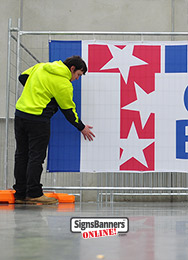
<point x="47" y="86"/>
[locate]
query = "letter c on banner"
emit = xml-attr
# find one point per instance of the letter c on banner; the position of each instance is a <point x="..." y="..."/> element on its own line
<point x="186" y="98"/>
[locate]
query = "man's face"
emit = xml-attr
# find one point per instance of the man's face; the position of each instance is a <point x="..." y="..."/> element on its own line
<point x="75" y="74"/>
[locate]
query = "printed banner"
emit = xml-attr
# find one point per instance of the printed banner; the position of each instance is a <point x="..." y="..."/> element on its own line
<point x="135" y="96"/>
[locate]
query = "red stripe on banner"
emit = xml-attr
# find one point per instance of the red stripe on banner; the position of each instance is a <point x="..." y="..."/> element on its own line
<point x="144" y="132"/>
<point x="98" y="56"/>
<point x="134" y="165"/>
<point x="144" y="76"/>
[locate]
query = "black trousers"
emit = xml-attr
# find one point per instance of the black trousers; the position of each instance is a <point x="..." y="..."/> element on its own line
<point x="32" y="138"/>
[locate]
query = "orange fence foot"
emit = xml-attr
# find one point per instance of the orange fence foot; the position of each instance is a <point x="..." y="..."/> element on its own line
<point x="62" y="197"/>
<point x="7" y="196"/>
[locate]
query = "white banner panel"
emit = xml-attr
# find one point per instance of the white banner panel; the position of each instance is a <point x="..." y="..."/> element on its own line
<point x="135" y="96"/>
<point x="101" y="109"/>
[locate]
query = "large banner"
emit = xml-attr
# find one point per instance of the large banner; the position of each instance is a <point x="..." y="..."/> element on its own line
<point x="135" y="96"/>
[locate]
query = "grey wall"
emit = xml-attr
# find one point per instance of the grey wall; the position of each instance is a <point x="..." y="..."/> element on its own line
<point x="8" y="8"/>
<point x="108" y="15"/>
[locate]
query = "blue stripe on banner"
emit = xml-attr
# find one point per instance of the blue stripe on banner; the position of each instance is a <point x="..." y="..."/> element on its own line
<point x="176" y="59"/>
<point x="64" y="145"/>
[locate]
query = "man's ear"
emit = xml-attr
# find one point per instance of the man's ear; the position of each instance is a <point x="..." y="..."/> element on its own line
<point x="72" y="68"/>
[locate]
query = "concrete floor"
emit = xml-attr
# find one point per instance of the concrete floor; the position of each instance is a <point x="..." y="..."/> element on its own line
<point x="156" y="231"/>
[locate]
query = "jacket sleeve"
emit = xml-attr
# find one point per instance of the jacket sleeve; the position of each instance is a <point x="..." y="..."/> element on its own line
<point x="70" y="116"/>
<point x="23" y="78"/>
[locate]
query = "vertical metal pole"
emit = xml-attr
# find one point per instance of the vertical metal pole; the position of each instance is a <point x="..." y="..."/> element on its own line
<point x="112" y="191"/>
<point x="98" y="186"/>
<point x="106" y="175"/>
<point x="142" y="37"/>
<point x="18" y="60"/>
<point x="7" y="105"/>
<point x="101" y="185"/>
<point x="81" y="185"/>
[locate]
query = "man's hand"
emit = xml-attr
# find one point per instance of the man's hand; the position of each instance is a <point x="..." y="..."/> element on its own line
<point x="87" y="133"/>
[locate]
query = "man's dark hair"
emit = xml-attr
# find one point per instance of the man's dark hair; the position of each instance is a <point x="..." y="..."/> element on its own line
<point x="77" y="62"/>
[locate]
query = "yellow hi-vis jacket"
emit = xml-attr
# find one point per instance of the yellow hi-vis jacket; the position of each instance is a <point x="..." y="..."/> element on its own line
<point x="47" y="87"/>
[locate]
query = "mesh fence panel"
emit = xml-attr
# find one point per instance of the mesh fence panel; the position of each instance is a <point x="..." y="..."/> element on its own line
<point x="34" y="48"/>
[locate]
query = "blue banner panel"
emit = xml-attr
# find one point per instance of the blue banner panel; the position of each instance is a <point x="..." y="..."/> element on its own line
<point x="64" y="145"/>
<point x="176" y="59"/>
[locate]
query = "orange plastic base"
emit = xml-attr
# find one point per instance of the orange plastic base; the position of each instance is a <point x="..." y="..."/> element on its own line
<point x="7" y="196"/>
<point x="62" y="197"/>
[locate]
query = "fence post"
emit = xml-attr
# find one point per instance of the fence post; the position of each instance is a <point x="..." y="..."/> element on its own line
<point x="7" y="104"/>
<point x="18" y="60"/>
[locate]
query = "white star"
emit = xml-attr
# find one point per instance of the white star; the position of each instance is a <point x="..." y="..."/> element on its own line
<point x="133" y="147"/>
<point x="145" y="103"/>
<point x="123" y="59"/>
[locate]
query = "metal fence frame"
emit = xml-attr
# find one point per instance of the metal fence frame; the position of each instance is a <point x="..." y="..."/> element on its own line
<point x="101" y="190"/>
